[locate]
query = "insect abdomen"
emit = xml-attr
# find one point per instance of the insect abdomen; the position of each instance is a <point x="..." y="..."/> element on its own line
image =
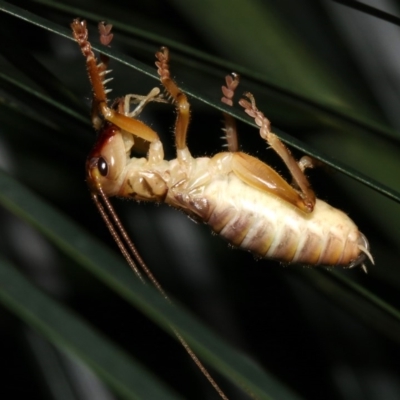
<point x="272" y="228"/>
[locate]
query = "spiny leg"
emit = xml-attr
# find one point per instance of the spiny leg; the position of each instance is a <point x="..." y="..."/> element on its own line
<point x="96" y="72"/>
<point x="180" y="99"/>
<point x="300" y="179"/>
<point x="228" y="91"/>
<point x="105" y="39"/>
<point x="96" y="75"/>
<point x="250" y="169"/>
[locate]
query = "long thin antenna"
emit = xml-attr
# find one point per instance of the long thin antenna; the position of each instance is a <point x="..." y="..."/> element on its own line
<point x="130" y="253"/>
<point x="116" y="236"/>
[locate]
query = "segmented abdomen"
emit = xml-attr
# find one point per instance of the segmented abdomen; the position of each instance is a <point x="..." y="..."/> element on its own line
<point x="272" y="228"/>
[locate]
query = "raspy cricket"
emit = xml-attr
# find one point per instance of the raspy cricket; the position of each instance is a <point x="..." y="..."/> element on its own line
<point x="241" y="198"/>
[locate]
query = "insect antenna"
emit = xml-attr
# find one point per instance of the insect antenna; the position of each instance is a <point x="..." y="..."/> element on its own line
<point x="114" y="232"/>
<point x="133" y="258"/>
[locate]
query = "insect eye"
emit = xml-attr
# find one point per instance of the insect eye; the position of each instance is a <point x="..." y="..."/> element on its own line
<point x="102" y="166"/>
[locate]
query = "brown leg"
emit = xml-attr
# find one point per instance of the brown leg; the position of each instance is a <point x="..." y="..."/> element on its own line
<point x="232" y="81"/>
<point x="300" y="179"/>
<point x="105" y="39"/>
<point x="96" y="75"/>
<point x="180" y="99"/>
<point x="261" y="176"/>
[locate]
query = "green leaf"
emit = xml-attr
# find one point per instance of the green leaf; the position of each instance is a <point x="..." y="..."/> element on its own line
<point x="74" y="336"/>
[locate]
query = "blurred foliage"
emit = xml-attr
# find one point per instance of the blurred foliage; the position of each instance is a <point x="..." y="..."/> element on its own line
<point x="327" y="77"/>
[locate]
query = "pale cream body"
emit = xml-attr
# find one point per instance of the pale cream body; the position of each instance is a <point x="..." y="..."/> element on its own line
<point x="207" y="190"/>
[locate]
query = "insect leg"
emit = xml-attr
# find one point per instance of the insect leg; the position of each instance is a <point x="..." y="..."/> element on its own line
<point x="105" y="33"/>
<point x="96" y="73"/>
<point x="105" y="39"/>
<point x="179" y="98"/>
<point x="228" y="91"/>
<point x="301" y="181"/>
<point x="141" y="101"/>
<point x="261" y="176"/>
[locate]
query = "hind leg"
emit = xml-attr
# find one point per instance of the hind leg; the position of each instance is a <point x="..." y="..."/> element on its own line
<point x="296" y="171"/>
<point x="250" y="169"/>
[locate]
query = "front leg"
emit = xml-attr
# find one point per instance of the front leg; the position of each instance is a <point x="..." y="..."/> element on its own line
<point x="96" y="72"/>
<point x="141" y="101"/>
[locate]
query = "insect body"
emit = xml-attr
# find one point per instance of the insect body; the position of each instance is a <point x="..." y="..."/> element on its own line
<point x="209" y="190"/>
<point x="241" y="198"/>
